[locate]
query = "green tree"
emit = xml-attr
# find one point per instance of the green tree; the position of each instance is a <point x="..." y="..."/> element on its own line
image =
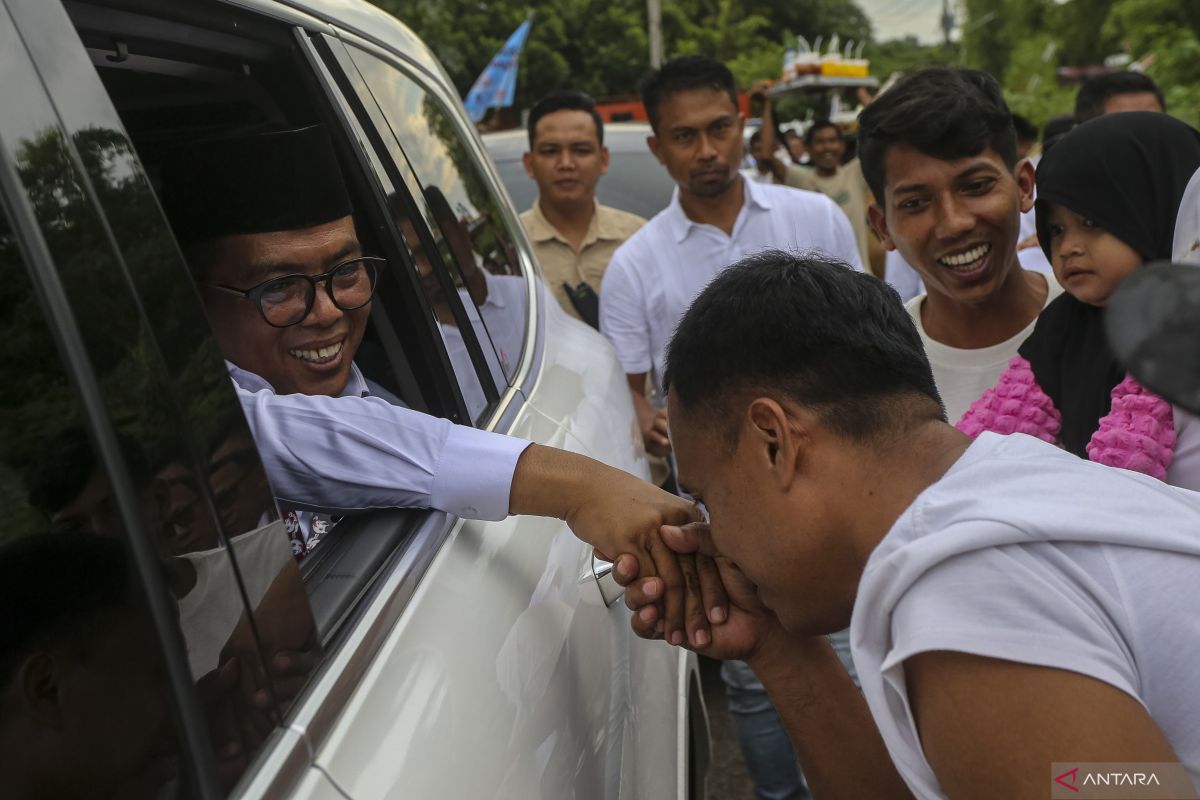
<point x="1166" y="35"/>
<point x="601" y="46"/>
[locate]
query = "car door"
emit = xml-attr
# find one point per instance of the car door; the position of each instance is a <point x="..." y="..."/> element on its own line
<point x="124" y="449"/>
<point x="509" y="651"/>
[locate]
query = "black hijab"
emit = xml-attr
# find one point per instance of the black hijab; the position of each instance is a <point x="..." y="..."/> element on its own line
<point x="1126" y="173"/>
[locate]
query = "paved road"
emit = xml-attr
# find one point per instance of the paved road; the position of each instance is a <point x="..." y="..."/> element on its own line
<point x="727" y="778"/>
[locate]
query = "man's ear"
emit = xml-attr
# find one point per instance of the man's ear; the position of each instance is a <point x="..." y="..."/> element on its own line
<point x="773" y="434"/>
<point x="1026" y="176"/>
<point x="653" y="143"/>
<point x="878" y="221"/>
<point x="38" y="689"/>
<point x="527" y="160"/>
<point x="603" y="160"/>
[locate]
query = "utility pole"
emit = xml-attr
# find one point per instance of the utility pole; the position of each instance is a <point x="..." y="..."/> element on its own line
<point x="654" y="16"/>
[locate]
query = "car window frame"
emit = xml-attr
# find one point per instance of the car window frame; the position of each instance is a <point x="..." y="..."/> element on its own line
<point x="526" y="373"/>
<point x="402" y="181"/>
<point x="40" y="266"/>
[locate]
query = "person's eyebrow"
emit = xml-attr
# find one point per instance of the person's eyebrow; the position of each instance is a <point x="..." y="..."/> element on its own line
<point x="909" y="188"/>
<point x="682" y="129"/>
<point x="259" y="271"/>
<point x="975" y="169"/>
<point x="978" y="166"/>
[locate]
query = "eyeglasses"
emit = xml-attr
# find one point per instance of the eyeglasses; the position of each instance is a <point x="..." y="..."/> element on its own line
<point x="288" y="299"/>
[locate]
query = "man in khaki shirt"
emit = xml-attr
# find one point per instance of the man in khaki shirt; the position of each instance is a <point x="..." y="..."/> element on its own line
<point x="573" y="236"/>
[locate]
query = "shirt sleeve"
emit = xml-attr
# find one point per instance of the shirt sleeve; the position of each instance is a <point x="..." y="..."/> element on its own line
<point x="844" y="243"/>
<point x="348" y="454"/>
<point x="799" y="177"/>
<point x="623" y="314"/>
<point x="1053" y="605"/>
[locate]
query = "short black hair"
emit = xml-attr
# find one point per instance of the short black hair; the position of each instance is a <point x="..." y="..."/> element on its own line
<point x="943" y="112"/>
<point x="1094" y="93"/>
<point x="756" y="137"/>
<point x="1055" y="129"/>
<point x="820" y="125"/>
<point x="564" y="100"/>
<point x="1026" y="130"/>
<point x="685" y="74"/>
<point x="811" y="327"/>
<point x="53" y="586"/>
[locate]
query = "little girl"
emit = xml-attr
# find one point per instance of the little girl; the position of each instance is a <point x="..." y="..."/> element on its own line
<point x="1108" y="195"/>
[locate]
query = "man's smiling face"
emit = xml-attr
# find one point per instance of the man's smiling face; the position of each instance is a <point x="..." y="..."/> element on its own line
<point x="955" y="222"/>
<point x="313" y="356"/>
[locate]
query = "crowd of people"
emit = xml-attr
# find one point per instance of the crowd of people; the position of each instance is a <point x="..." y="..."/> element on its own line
<point x="1013" y="601"/>
<point x="939" y="545"/>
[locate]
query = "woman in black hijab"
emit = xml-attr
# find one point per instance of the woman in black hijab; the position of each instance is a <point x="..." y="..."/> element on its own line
<point x="1107" y="199"/>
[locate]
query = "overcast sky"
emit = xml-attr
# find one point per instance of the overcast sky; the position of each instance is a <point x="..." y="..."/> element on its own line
<point x="895" y="19"/>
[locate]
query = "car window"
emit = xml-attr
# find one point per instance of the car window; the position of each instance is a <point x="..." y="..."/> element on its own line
<point x="181" y="463"/>
<point x="456" y="320"/>
<point x="78" y="640"/>
<point x="466" y="212"/>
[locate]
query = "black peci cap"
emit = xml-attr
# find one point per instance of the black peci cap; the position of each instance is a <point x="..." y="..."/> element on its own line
<point x="280" y="181"/>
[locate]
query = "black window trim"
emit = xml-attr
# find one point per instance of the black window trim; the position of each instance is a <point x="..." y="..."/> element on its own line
<point x="164" y="614"/>
<point x="528" y="369"/>
<point x="353" y="88"/>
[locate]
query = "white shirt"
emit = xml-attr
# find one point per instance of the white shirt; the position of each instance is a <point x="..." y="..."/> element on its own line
<point x="657" y="273"/>
<point x="212" y="608"/>
<point x="358" y="452"/>
<point x="499" y="326"/>
<point x="1096" y="577"/>
<point x="962" y="376"/>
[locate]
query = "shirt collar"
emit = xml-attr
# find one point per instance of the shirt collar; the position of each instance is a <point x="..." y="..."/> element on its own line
<point x="356" y="385"/>
<point x="602" y="226"/>
<point x="539" y="229"/>
<point x="753" y="196"/>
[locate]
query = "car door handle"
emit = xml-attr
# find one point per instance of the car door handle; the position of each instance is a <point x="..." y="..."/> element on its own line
<point x="609" y="589"/>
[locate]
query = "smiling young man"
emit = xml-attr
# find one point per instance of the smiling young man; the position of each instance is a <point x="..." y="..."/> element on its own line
<point x="939" y="153"/>
<point x="998" y="628"/>
<point x="715" y="217"/>
<point x="266" y="222"/>
<point x="573" y="236"/>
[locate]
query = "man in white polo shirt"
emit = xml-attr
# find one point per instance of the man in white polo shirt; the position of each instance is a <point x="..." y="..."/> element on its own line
<point x="715" y="218"/>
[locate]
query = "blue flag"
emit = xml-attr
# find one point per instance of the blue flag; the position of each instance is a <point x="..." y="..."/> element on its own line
<point x="497" y="84"/>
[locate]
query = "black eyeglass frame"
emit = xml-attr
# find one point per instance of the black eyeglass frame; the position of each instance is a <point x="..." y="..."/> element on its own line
<point x="373" y="264"/>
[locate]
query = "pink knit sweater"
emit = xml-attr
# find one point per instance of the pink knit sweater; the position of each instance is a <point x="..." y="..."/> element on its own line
<point x="1138" y="433"/>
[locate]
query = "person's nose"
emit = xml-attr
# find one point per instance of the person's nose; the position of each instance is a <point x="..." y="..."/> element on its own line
<point x="565" y="161"/>
<point x="953" y="219"/>
<point x="1070" y="245"/>
<point x="323" y="312"/>
<point x="707" y="150"/>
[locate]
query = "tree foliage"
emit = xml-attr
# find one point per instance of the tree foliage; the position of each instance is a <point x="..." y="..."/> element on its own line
<point x="1023" y="42"/>
<point x="602" y="47"/>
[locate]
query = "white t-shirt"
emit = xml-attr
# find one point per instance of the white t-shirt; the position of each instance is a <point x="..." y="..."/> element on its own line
<point x="655" y="275"/>
<point x="1096" y="577"/>
<point x="210" y="611"/>
<point x="962" y="376"/>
